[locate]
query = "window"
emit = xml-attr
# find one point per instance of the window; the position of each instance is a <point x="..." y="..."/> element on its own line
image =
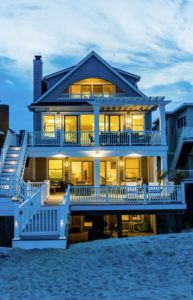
<point x="102" y="122"/>
<point x="113" y="122"/>
<point x="87" y="122"/>
<point x="49" y="125"/>
<point x="55" y="170"/>
<point x="81" y="172"/>
<point x="98" y="90"/>
<point x="86" y="91"/>
<point x="97" y="86"/>
<point x="132" y="168"/>
<point x="76" y="90"/>
<point x="181" y="122"/>
<point x="107" y="90"/>
<point x="137" y="122"/>
<point x="108" y="172"/>
<point x="70" y="126"/>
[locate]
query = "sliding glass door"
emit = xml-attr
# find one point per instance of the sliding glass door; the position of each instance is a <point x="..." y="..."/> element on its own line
<point x="108" y="172"/>
<point x="82" y="172"/>
<point x="70" y="129"/>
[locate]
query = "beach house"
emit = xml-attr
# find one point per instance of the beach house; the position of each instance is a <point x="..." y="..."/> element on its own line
<point x="92" y="162"/>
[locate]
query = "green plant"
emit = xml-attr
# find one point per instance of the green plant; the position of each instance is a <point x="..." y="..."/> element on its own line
<point x="161" y="175"/>
<point x="177" y="177"/>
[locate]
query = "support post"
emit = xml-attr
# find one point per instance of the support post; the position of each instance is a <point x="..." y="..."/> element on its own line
<point x="164" y="167"/>
<point x="162" y="123"/>
<point x="61" y="221"/>
<point x="97" y="171"/>
<point x="61" y="134"/>
<point x="96" y="124"/>
<point x="119" y="225"/>
<point x="183" y="193"/>
<point x="16" y="222"/>
<point x="145" y="193"/>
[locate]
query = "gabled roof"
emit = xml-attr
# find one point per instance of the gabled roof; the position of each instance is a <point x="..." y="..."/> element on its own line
<point x="137" y="78"/>
<point x="58" y="73"/>
<point x="79" y="65"/>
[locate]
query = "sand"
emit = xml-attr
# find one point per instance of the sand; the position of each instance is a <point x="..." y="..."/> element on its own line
<point x="137" y="268"/>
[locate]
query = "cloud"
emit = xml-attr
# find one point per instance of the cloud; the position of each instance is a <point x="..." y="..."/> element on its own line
<point x="147" y="37"/>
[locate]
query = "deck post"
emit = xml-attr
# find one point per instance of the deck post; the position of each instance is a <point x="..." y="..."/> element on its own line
<point x="162" y="123"/>
<point x="145" y="193"/>
<point x="16" y="221"/>
<point x="96" y="124"/>
<point x="97" y="171"/>
<point x="164" y="166"/>
<point x="61" y="134"/>
<point x="183" y="200"/>
<point x="107" y="193"/>
<point x="61" y="221"/>
<point x="119" y="225"/>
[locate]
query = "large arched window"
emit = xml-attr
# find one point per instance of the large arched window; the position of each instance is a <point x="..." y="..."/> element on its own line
<point x="92" y="86"/>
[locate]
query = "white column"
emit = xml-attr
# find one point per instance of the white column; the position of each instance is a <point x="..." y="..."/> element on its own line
<point x="96" y="124"/>
<point x="162" y="123"/>
<point x="97" y="171"/>
<point x="164" y="167"/>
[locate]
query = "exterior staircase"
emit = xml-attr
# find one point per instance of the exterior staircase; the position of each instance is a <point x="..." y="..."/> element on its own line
<point x="13" y="159"/>
<point x="185" y="137"/>
<point x="38" y="226"/>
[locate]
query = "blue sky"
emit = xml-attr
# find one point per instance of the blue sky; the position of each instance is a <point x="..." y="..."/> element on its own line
<point x="150" y="38"/>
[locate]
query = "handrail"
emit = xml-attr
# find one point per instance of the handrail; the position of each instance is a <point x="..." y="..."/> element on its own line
<point x="64" y="214"/>
<point x="10" y="140"/>
<point x="23" y="148"/>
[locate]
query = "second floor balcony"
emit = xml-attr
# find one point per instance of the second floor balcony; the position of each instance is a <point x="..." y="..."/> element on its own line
<point x="90" y="138"/>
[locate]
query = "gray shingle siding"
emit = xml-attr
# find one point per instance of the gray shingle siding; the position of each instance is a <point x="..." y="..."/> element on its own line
<point x="91" y="68"/>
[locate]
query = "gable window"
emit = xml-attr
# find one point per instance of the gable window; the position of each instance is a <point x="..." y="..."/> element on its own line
<point x="49" y="125"/>
<point x="132" y="168"/>
<point x="86" y="87"/>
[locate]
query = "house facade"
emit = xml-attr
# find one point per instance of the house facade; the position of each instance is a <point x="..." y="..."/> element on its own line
<point x="93" y="143"/>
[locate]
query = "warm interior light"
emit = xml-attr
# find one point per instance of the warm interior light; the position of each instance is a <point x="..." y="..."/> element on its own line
<point x="59" y="155"/>
<point x="134" y="155"/>
<point x="97" y="154"/>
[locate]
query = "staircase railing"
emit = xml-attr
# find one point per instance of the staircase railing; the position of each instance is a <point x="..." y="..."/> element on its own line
<point x="11" y="140"/>
<point x="24" y="212"/>
<point x="22" y="156"/>
<point x="187" y="133"/>
<point x="31" y="219"/>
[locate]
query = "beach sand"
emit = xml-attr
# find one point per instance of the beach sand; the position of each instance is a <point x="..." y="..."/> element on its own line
<point x="138" y="268"/>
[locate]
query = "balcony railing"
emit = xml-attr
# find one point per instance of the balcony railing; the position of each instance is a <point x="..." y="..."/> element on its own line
<point x="144" y="194"/>
<point x="184" y="174"/>
<point x="87" y="138"/>
<point x="91" y="95"/>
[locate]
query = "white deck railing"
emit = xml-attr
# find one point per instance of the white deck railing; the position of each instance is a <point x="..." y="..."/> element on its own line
<point x="32" y="219"/>
<point x="92" y="195"/>
<point x="86" y="138"/>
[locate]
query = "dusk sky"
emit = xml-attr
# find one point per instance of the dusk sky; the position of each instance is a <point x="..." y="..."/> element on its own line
<point x="153" y="39"/>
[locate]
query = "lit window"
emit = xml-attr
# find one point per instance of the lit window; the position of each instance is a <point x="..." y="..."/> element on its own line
<point x="132" y="168"/>
<point x="55" y="169"/>
<point x="49" y="125"/>
<point x="137" y="122"/>
<point x="81" y="172"/>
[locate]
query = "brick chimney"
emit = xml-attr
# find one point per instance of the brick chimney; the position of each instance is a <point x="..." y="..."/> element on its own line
<point x="37" y="69"/>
